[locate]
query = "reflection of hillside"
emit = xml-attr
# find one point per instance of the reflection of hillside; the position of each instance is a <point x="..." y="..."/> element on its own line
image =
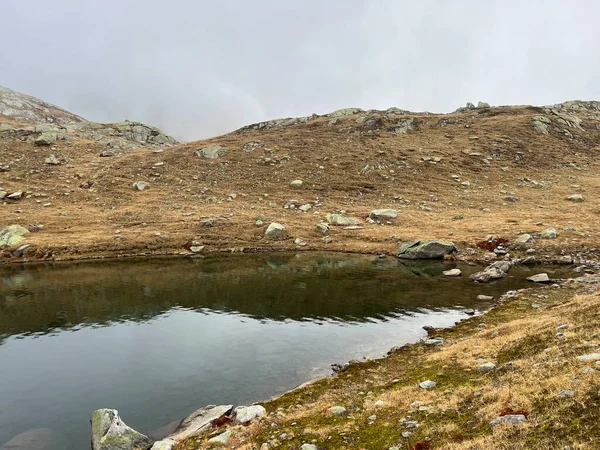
<point x="40" y="298"/>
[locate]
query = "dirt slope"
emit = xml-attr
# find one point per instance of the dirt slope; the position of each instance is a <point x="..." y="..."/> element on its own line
<point x="461" y="176"/>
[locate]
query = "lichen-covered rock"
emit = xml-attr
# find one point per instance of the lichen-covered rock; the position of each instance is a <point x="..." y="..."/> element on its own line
<point x="428" y="249"/>
<point x="212" y="152"/>
<point x="12" y="235"/>
<point x="340" y="219"/>
<point x="109" y="432"/>
<point x="541" y="124"/>
<point x="275" y="231"/>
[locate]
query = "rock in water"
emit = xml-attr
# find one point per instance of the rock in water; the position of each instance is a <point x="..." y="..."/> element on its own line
<point x="340" y="219"/>
<point x="494" y="271"/>
<point x="429" y="249"/>
<point x="244" y="414"/>
<point x="539" y="278"/>
<point x="452" y="273"/>
<point x="109" y="432"/>
<point x="12" y="235"/>
<point x="275" y="231"/>
<point x="38" y="439"/>
<point x="383" y="214"/>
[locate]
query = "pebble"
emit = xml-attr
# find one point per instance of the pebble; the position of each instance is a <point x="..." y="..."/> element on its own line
<point x="427" y="384"/>
<point x="484" y="298"/>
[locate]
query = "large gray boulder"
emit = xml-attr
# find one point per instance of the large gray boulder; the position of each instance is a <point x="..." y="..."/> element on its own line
<point x="428" y="249"/>
<point x="109" y="432"/>
<point x="275" y="231"/>
<point x="383" y="214"/>
<point x="244" y="414"/>
<point x="38" y="439"/>
<point x="12" y="235"/>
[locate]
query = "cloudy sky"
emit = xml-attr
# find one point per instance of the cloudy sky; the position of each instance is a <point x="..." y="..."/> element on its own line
<point x="199" y="68"/>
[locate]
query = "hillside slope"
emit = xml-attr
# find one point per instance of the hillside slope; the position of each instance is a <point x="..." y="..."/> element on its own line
<point x="459" y="176"/>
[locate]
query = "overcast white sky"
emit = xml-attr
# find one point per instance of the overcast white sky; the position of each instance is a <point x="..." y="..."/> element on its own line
<point x="199" y="68"/>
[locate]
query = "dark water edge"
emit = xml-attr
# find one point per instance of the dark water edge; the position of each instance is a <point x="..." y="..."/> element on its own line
<point x="158" y="338"/>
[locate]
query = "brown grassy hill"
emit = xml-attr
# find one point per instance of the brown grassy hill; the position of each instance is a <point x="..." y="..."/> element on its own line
<point x="462" y="176"/>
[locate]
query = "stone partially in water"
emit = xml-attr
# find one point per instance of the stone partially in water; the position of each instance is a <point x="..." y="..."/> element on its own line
<point x="452" y="273"/>
<point x="428" y="249"/>
<point x="539" y="278"/>
<point x="109" y="432"/>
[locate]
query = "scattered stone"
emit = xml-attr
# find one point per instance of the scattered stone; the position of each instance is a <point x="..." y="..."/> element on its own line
<point x="486" y="367"/>
<point x="589" y="357"/>
<point x="512" y="419"/>
<point x="383" y="214"/>
<point x="140" y="185"/>
<point x="107" y="154"/>
<point x="197" y="248"/>
<point x="305" y="208"/>
<point x="300" y="242"/>
<point x="52" y="160"/>
<point x="427" y="384"/>
<point x="372" y="418"/>
<point x="275" y="230"/>
<point x="296" y="183"/>
<point x="340" y="219"/>
<point x="308" y="447"/>
<point x="12" y="235"/>
<point x="48" y="137"/>
<point x="322" y="228"/>
<point x="549" y="233"/>
<point x="20" y="250"/>
<point x="15" y="195"/>
<point x="109" y="432"/>
<point x="380" y="404"/>
<point x="530" y="260"/>
<point x="494" y="271"/>
<point x="197" y="422"/>
<point x="212" y="152"/>
<point x="452" y="273"/>
<point x="539" y="278"/>
<point x="564" y="326"/>
<point x="434" y="341"/>
<point x="258" y="223"/>
<point x="34" y="227"/>
<point x="428" y="249"/>
<point x="575" y="198"/>
<point x="484" y="298"/>
<point x="565" y="393"/>
<point x="483" y="105"/>
<point x="469" y="312"/>
<point x="251" y="146"/>
<point x="337" y="410"/>
<point x="221" y="439"/>
<point x="524" y="239"/>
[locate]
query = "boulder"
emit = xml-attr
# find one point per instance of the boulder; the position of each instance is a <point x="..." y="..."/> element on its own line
<point x="486" y="367"/>
<point x="221" y="439"/>
<point x="452" y="273"/>
<point x="212" y="152"/>
<point x="275" y="230"/>
<point x="48" y="137"/>
<point x="575" y="198"/>
<point x="244" y="414"/>
<point x="539" y="278"/>
<point x="12" y="235"/>
<point x="322" y="228"/>
<point x="428" y="249"/>
<point x="383" y="214"/>
<point x="199" y="421"/>
<point x="17" y="195"/>
<point x="38" y="439"/>
<point x="541" y="124"/>
<point x="109" y="432"/>
<point x="524" y="239"/>
<point x="494" y="271"/>
<point x="340" y="219"/>
<point x="483" y="105"/>
<point x="296" y="183"/>
<point x="549" y="233"/>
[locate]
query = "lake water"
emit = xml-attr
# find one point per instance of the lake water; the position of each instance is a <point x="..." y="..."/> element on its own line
<point x="159" y="338"/>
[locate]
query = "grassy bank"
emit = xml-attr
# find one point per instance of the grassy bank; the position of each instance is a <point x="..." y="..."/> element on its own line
<point x="533" y="341"/>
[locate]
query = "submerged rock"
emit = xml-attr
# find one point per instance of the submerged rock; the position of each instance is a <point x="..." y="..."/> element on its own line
<point x="539" y="278"/>
<point x="428" y="249"/>
<point x="109" y="432"/>
<point x="452" y="273"/>
<point x="38" y="439"/>
<point x="494" y="271"/>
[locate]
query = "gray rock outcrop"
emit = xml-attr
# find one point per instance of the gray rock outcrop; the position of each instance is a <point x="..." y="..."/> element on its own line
<point x="109" y="432"/>
<point x="12" y="235"/>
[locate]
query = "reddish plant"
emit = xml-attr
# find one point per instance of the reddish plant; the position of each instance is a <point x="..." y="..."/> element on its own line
<point x="508" y="411"/>
<point x="422" y="445"/>
<point x="491" y="244"/>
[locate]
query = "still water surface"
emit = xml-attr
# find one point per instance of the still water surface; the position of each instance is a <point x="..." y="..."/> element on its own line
<point x="157" y="339"/>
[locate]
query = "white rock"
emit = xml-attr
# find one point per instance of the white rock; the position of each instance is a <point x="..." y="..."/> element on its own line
<point x="337" y="410"/>
<point x="222" y="439"/>
<point x="589" y="357"/>
<point x="244" y="414"/>
<point x="427" y="384"/>
<point x="452" y="273"/>
<point x="539" y="278"/>
<point x="275" y="230"/>
<point x="140" y="185"/>
<point x="296" y="183"/>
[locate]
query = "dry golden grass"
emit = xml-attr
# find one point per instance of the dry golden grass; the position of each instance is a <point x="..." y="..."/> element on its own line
<point x="111" y="219"/>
